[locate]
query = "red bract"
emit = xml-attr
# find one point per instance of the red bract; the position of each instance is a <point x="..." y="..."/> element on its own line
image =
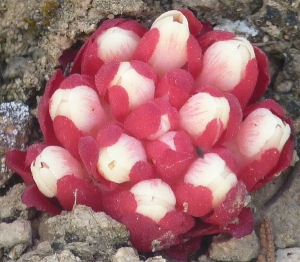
<point x="161" y="130"/>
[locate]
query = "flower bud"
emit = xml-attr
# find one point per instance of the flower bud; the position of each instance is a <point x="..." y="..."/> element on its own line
<point x="206" y="115"/>
<point x="116" y="161"/>
<point x="76" y="110"/>
<point x="154" y="198"/>
<point x="260" y="131"/>
<point x="169" y="44"/>
<point x="114" y="40"/>
<point x="258" y="145"/>
<point x="80" y="104"/>
<point x="205" y="185"/>
<point x="127" y="85"/>
<point x="230" y="65"/>
<point x="52" y="164"/>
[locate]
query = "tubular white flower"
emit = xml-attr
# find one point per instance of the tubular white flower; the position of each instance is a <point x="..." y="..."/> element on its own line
<point x="171" y="50"/>
<point x="201" y="109"/>
<point x="154" y="198"/>
<point x="116" y="161"/>
<point x="117" y="44"/>
<point x="260" y="131"/>
<point x="139" y="88"/>
<point x="52" y="164"/>
<point x="212" y="172"/>
<point x="224" y="63"/>
<point x="81" y="105"/>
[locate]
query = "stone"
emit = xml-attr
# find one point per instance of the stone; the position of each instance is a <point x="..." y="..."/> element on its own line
<point x="42" y="250"/>
<point x="233" y="249"/>
<point x="288" y="255"/>
<point x="156" y="259"/>
<point x="15" y="237"/>
<point x="85" y="233"/>
<point x="125" y="254"/>
<point x="64" y="256"/>
<point x="16" y="124"/>
<point x="12" y="206"/>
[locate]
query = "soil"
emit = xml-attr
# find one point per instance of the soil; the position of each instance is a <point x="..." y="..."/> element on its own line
<point x="35" y="33"/>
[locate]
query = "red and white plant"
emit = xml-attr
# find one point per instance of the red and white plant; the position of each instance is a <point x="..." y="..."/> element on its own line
<point x="159" y="126"/>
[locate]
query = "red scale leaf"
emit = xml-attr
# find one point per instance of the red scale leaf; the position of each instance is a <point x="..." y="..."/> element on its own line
<point x="235" y="118"/>
<point x="263" y="78"/>
<point x="195" y="25"/>
<point x="77" y="65"/>
<point x="133" y="26"/>
<point x="197" y="200"/>
<point x="206" y="40"/>
<point x="155" y="148"/>
<point x="68" y="134"/>
<point x="240" y="226"/>
<point x="145" y="233"/>
<point x="119" y="202"/>
<point x="119" y="102"/>
<point x="74" y="191"/>
<point x="144" y="69"/>
<point x="183" y="142"/>
<point x="177" y="85"/>
<point x="210" y="135"/>
<point x="227" y="156"/>
<point x="147" y="45"/>
<point x="16" y="161"/>
<point x="177" y="221"/>
<point x="231" y="207"/>
<point x="171" y="165"/>
<point x="43" y="108"/>
<point x="109" y="135"/>
<point x="32" y="197"/>
<point x="194" y="56"/>
<point x="91" y="63"/>
<point x="252" y="173"/>
<point x="143" y="121"/>
<point x="283" y="163"/>
<point x="33" y="151"/>
<point x="77" y="80"/>
<point x="182" y="251"/>
<point x="105" y="75"/>
<point x="141" y="171"/>
<point x="244" y="89"/>
<point x="89" y="151"/>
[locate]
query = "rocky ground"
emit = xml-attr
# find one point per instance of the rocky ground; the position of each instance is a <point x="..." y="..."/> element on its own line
<point x="34" y="33"/>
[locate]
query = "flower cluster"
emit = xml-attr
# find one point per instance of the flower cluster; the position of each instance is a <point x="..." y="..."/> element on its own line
<point x="161" y="129"/>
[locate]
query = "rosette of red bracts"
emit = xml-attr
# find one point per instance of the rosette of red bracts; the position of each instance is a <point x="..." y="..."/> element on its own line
<point x="161" y="129"/>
